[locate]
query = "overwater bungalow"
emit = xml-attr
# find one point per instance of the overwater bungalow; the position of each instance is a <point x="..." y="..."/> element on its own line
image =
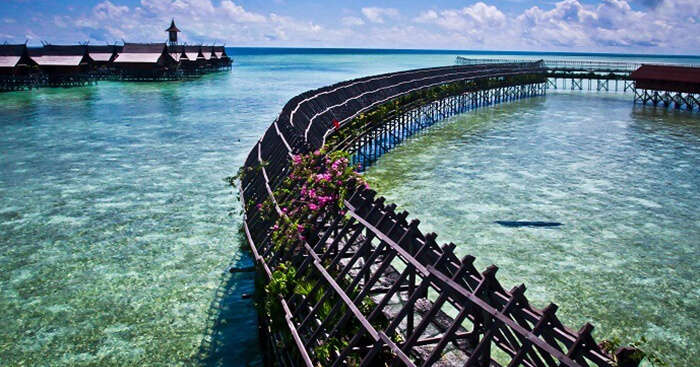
<point x="194" y="53"/>
<point x="146" y="60"/>
<point x="224" y="59"/>
<point x="192" y="60"/>
<point x="17" y="70"/>
<point x="63" y="65"/>
<point x="15" y="60"/>
<point x="75" y="65"/>
<point x="667" y="78"/>
<point x="177" y="52"/>
<point x="61" y="59"/>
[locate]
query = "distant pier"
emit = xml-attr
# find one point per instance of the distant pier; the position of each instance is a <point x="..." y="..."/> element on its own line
<point x="666" y="85"/>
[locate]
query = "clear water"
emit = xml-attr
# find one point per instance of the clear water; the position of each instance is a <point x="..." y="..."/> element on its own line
<point x="116" y="226"/>
<point x="623" y="182"/>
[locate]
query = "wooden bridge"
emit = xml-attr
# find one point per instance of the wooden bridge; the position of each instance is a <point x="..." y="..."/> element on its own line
<point x="383" y="292"/>
<point x="611" y="76"/>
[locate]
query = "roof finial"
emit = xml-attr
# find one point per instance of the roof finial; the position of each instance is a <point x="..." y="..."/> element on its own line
<point x="172" y="27"/>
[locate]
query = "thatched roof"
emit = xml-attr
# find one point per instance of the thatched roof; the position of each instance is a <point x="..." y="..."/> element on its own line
<point x="148" y="53"/>
<point x="172" y="27"/>
<point x="193" y="52"/>
<point x="143" y="48"/>
<point x="681" y="74"/>
<point x="12" y="50"/>
<point x="59" y="55"/>
<point x="63" y="50"/>
<point x="9" y="61"/>
<point x="102" y="53"/>
<point x="10" y="55"/>
<point x="220" y="51"/>
<point x="208" y="52"/>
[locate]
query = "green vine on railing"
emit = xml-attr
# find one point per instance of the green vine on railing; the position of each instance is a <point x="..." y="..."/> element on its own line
<point x="317" y="185"/>
<point x="425" y="96"/>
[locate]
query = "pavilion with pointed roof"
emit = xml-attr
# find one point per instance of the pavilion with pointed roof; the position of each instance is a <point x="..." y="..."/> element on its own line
<point x="172" y="33"/>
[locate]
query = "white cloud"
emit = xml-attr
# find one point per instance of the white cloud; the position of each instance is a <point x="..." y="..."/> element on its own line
<point x="237" y="13"/>
<point x="571" y="25"/>
<point x="427" y="16"/>
<point x="377" y="15"/>
<point x="661" y="26"/>
<point x="352" y="21"/>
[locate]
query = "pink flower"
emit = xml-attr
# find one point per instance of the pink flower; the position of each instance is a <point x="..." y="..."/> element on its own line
<point x="323" y="177"/>
<point x="275" y="227"/>
<point x="259" y="206"/>
<point x="300" y="228"/>
<point x="317" y="153"/>
<point x="284" y="210"/>
<point x="313" y="206"/>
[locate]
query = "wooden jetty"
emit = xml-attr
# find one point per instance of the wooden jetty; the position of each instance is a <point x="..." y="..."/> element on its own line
<point x="23" y="67"/>
<point x="655" y="84"/>
<point x="383" y="292"/>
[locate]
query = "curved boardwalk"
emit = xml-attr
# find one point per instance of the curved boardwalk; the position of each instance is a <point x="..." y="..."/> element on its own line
<point x="428" y="306"/>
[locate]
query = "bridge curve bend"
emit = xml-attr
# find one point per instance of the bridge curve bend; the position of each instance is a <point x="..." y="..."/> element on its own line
<point x="378" y="290"/>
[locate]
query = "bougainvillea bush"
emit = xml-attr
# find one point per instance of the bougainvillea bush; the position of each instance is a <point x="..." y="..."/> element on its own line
<point x="317" y="184"/>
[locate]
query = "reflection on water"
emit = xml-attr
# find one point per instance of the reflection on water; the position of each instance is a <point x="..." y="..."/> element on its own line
<point x="623" y="182"/>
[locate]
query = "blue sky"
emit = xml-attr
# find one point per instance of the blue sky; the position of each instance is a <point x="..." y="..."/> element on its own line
<point x="635" y="26"/>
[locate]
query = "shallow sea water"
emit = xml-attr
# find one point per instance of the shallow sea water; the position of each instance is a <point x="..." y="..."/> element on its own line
<point x="623" y="182"/>
<point x="116" y="226"/>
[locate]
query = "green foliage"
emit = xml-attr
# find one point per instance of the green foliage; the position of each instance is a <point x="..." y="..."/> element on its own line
<point x="282" y="285"/>
<point x="242" y="172"/>
<point x="408" y="101"/>
<point x="610" y="346"/>
<point x="325" y="351"/>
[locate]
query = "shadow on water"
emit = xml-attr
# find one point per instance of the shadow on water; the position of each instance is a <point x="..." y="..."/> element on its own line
<point x="519" y="223"/>
<point x="231" y="318"/>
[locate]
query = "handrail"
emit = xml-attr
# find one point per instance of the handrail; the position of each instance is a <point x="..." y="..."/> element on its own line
<point x="571" y="64"/>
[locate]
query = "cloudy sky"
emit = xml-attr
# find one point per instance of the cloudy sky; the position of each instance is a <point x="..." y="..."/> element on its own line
<point x="635" y="26"/>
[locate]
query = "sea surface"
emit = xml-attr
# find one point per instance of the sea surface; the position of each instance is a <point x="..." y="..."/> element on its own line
<point x="117" y="227"/>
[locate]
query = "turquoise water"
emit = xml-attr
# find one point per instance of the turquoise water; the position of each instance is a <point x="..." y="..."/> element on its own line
<point x="622" y="182"/>
<point x="116" y="227"/>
